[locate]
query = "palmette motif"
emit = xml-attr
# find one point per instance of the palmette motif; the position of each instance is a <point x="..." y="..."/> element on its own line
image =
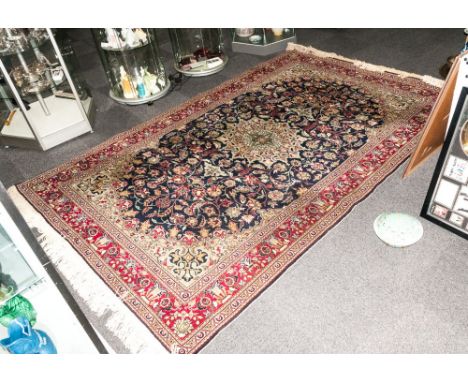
<point x="190" y="216"/>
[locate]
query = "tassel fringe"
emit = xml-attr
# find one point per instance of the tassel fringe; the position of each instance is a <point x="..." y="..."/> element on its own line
<point x="364" y="65"/>
<point x="110" y="313"/>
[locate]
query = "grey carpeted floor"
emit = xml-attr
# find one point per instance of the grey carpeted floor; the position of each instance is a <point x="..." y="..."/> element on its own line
<point x="349" y="292"/>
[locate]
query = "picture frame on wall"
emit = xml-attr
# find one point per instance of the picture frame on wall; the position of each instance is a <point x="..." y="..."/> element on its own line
<point x="446" y="202"/>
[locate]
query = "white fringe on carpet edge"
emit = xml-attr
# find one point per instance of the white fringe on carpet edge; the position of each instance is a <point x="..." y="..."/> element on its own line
<point x="364" y="65"/>
<point x="113" y="314"/>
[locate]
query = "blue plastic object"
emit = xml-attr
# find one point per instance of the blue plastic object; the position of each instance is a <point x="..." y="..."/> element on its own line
<point x="23" y="339"/>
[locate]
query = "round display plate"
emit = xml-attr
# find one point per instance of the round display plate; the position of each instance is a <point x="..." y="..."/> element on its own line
<point x="203" y="73"/>
<point x="398" y="229"/>
<point x="125" y="49"/>
<point x="141" y="101"/>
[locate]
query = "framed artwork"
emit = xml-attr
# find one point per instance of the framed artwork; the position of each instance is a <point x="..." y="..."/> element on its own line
<point x="446" y="202"/>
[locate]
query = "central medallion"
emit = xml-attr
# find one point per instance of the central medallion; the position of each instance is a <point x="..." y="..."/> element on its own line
<point x="220" y="173"/>
<point x="261" y="140"/>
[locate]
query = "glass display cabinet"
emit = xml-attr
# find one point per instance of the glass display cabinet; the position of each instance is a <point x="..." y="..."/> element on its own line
<point x="262" y="41"/>
<point x="15" y="273"/>
<point x="133" y="65"/>
<point x="198" y="51"/>
<point x="40" y="105"/>
<point x="26" y="272"/>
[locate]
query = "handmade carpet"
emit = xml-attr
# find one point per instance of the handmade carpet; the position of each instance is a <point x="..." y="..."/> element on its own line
<point x="188" y="217"/>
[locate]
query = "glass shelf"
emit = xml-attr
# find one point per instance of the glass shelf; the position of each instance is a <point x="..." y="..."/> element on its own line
<point x="21" y="40"/>
<point x="124" y="49"/>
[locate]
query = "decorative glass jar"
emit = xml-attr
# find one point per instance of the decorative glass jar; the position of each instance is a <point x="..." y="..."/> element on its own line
<point x="198" y="51"/>
<point x="132" y="62"/>
<point x="39" y="102"/>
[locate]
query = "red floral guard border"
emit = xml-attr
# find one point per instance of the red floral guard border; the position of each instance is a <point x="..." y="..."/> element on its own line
<point x="184" y="316"/>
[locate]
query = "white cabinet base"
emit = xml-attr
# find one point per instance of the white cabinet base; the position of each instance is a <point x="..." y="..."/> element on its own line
<point x="64" y="123"/>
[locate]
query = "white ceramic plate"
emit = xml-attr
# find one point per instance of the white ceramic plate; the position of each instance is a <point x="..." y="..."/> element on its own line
<point x="398" y="229"/>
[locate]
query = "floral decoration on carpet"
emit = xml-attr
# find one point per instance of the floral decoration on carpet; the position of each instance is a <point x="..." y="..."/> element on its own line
<point x="260" y="151"/>
<point x="191" y="215"/>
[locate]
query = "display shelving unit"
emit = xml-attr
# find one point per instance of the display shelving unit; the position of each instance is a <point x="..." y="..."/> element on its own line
<point x="263" y="41"/>
<point x="198" y="51"/>
<point x="40" y="106"/>
<point x="133" y="65"/>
